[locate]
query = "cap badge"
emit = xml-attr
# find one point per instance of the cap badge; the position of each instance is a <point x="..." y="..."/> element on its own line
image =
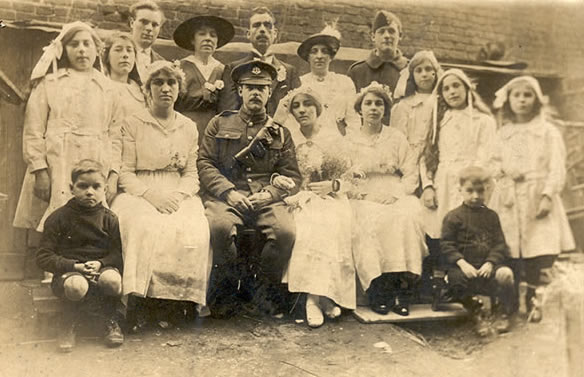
<point x="256" y="70"/>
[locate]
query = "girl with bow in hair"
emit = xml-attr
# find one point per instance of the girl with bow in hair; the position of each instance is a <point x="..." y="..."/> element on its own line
<point x="72" y="114"/>
<point x="529" y="163"/>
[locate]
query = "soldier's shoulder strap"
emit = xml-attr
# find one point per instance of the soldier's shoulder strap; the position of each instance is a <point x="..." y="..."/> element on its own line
<point x="227" y="113"/>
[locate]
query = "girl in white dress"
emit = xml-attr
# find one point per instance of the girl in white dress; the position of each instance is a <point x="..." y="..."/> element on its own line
<point x="119" y="60"/>
<point x="529" y="165"/>
<point x="462" y="135"/>
<point x="72" y="114"/>
<point x="412" y="115"/>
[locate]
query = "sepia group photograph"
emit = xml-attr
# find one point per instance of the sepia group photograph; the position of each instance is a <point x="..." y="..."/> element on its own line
<point x="329" y="188"/>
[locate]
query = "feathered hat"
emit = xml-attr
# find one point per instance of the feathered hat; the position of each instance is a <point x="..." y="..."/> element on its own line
<point x="329" y="36"/>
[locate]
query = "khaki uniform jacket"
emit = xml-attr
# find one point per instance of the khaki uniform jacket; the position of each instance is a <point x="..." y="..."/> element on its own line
<point x="226" y="135"/>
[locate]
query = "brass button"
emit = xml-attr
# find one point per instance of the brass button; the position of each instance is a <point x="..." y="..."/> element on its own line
<point x="248" y="169"/>
<point x="249" y="137"/>
<point x="250" y="124"/>
<point x="249" y="180"/>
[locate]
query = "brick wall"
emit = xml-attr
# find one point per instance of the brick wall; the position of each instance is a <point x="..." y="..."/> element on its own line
<point x="547" y="35"/>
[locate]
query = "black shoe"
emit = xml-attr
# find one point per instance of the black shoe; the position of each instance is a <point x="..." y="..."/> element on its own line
<point x="472" y="304"/>
<point x="380" y="304"/>
<point x="113" y="334"/>
<point x="380" y="308"/>
<point x="401" y="307"/>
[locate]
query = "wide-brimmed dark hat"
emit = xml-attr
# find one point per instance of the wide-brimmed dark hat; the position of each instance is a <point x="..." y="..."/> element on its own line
<point x="254" y="72"/>
<point x="183" y="35"/>
<point x="329" y="37"/>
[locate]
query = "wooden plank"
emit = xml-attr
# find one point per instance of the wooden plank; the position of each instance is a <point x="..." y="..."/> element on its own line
<point x="418" y="312"/>
<point x="44" y="302"/>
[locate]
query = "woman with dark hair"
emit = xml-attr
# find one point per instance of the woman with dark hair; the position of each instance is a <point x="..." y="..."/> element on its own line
<point x="321" y="264"/>
<point x="72" y="114"/>
<point x="119" y="60"/>
<point x="336" y="90"/>
<point x="165" y="234"/>
<point x="388" y="240"/>
<point x="202" y="35"/>
<point x="462" y="134"/>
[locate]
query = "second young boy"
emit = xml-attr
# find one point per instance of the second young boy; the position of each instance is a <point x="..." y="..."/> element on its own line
<point x="474" y="248"/>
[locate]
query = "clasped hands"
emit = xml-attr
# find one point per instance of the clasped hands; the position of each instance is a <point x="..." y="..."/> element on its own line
<point x="164" y="201"/>
<point x="321" y="188"/>
<point x="90" y="268"/>
<point x="485" y="271"/>
<point x="244" y="203"/>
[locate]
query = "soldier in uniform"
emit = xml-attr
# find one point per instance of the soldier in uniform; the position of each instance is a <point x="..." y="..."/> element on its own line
<point x="386" y="61"/>
<point x="240" y="153"/>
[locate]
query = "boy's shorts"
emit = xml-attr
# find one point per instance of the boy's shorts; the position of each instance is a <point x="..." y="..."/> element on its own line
<point x="57" y="284"/>
<point x="463" y="285"/>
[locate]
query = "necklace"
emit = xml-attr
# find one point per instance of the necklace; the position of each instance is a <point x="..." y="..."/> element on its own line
<point x="165" y="123"/>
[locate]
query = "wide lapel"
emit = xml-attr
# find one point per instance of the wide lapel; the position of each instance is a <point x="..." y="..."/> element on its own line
<point x="278" y="64"/>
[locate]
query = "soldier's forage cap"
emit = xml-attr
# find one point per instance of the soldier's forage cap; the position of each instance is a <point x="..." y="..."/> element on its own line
<point x="384" y="18"/>
<point x="254" y="72"/>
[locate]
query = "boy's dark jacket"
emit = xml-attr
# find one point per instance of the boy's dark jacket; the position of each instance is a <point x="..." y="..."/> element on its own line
<point x="474" y="234"/>
<point x="77" y="234"/>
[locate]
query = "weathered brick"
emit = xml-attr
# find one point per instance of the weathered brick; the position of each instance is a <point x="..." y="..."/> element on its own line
<point x="24" y="16"/>
<point x="8" y="15"/>
<point x="45" y="10"/>
<point x="61" y="11"/>
<point x="81" y="4"/>
<point x="26" y="7"/>
<point x="59" y="2"/>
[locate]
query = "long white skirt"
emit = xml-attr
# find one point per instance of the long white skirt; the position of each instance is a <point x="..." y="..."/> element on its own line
<point x="322" y="262"/>
<point x="387" y="238"/>
<point x="165" y="256"/>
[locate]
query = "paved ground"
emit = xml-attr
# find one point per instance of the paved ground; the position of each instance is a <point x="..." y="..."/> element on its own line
<point x="253" y="347"/>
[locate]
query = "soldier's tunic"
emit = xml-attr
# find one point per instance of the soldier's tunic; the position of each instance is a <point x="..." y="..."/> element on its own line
<point x="226" y="135"/>
<point x="364" y="72"/>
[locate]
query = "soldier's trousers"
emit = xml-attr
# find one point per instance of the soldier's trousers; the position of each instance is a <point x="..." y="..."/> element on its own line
<point x="274" y="221"/>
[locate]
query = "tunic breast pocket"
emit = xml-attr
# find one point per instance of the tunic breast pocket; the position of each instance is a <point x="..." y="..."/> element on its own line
<point x="228" y="144"/>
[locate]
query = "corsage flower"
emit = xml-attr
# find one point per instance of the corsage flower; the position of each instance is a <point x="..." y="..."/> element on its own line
<point x="217" y="85"/>
<point x="281" y="73"/>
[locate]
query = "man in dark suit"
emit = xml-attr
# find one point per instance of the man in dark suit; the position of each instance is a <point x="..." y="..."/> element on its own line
<point x="262" y="33"/>
<point x="146" y="18"/>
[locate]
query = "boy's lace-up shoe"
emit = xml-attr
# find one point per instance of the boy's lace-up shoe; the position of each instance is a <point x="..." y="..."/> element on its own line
<point x="481" y="326"/>
<point x="113" y="334"/>
<point x="503" y="324"/>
